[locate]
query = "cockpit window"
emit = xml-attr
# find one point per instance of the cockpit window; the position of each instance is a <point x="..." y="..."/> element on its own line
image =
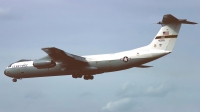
<point x="10" y="65"/>
<point x="22" y="60"/>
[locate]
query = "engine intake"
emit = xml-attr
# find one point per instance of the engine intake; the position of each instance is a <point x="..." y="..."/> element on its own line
<point x="40" y="64"/>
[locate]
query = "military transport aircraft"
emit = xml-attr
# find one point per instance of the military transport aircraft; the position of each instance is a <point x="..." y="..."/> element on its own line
<point x="59" y="62"/>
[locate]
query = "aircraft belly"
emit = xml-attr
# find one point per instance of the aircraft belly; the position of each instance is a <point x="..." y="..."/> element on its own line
<point x="103" y="65"/>
<point x="121" y="65"/>
<point x="116" y="65"/>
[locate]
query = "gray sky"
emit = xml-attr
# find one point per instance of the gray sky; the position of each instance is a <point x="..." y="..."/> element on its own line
<point x="95" y="27"/>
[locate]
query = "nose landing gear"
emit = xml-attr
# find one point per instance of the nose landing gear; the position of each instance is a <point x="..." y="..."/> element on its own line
<point x="14" y="80"/>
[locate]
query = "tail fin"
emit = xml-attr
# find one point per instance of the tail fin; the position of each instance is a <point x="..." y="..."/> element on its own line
<point x="167" y="35"/>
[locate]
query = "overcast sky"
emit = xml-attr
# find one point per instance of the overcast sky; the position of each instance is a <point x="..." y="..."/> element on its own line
<point x="86" y="27"/>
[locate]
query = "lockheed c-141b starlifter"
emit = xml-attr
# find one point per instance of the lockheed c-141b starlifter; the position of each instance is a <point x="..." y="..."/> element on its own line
<point x="59" y="62"/>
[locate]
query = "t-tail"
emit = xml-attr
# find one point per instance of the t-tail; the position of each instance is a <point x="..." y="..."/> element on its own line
<point x="167" y="35"/>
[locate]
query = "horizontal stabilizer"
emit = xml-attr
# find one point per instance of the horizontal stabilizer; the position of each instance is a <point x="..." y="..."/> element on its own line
<point x="143" y="66"/>
<point x="168" y="18"/>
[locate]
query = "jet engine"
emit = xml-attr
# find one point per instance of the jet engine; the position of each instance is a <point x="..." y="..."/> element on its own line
<point x="40" y="64"/>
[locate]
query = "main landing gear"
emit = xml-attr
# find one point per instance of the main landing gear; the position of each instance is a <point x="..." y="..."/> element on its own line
<point x="14" y="80"/>
<point x="77" y="75"/>
<point x="88" y="77"/>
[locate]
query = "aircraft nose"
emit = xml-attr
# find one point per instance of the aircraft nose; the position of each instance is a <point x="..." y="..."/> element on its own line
<point x="5" y="72"/>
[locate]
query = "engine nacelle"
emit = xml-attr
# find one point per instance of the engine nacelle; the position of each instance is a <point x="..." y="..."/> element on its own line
<point x="44" y="64"/>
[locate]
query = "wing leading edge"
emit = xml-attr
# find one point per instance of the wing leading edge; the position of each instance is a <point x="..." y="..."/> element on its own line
<point x="59" y="55"/>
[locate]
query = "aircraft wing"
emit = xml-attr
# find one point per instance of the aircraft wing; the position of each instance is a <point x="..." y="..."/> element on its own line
<point x="59" y="55"/>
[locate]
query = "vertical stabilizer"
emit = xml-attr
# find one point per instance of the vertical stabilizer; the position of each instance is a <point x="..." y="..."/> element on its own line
<point x="167" y="35"/>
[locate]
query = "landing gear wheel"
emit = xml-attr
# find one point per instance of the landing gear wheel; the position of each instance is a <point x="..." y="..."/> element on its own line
<point x="14" y="80"/>
<point x="87" y="77"/>
<point x="77" y="75"/>
<point x="74" y="76"/>
<point x="80" y="76"/>
<point x="91" y="77"/>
